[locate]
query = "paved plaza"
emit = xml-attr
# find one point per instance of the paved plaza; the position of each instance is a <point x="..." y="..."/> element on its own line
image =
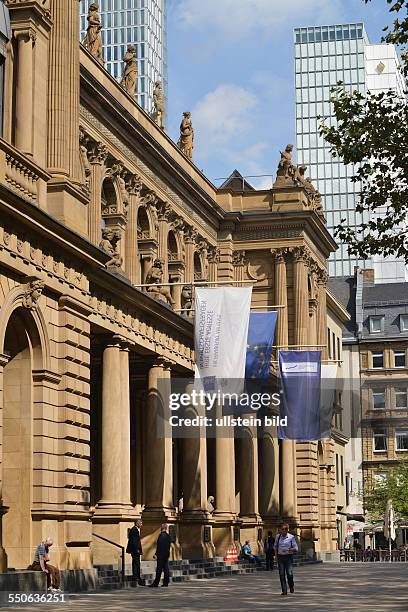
<point x="345" y="587"/>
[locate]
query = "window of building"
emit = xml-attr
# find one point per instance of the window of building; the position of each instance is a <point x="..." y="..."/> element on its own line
<point x="380" y="477"/>
<point x="379" y="398"/>
<point x="401" y="439"/>
<point x="334" y="345"/>
<point x="379" y="441"/>
<point x="342" y="469"/>
<point x="404" y="322"/>
<point x="338" y="349"/>
<point x="401" y="397"/>
<point x="337" y="469"/>
<point x="399" y="359"/>
<point x="376" y="324"/>
<point x="329" y="350"/>
<point x="378" y="360"/>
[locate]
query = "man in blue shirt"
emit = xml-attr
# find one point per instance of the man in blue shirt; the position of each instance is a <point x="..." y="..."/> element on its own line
<point x="285" y="546"/>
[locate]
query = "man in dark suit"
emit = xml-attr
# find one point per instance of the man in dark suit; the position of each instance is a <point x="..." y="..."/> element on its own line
<point x="134" y="547"/>
<point x="162" y="556"/>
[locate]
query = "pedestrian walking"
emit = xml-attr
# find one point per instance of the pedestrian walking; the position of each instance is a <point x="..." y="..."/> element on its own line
<point x="269" y="551"/>
<point x="162" y="556"/>
<point x="134" y="547"/>
<point x="285" y="546"/>
<point x="41" y="564"/>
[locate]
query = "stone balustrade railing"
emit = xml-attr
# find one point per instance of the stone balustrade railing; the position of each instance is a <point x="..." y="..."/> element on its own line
<point x="22" y="175"/>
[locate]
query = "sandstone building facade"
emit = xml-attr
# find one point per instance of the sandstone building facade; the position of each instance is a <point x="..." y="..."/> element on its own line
<point x="95" y="200"/>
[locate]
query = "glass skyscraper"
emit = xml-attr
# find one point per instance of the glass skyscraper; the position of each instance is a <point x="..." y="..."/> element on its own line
<point x="323" y="56"/>
<point x="141" y="23"/>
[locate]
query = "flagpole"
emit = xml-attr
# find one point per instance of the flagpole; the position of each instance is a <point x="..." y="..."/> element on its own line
<point x="252" y="308"/>
<point x="195" y="284"/>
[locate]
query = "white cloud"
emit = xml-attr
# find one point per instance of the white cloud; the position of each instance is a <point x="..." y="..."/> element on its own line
<point x="223" y="118"/>
<point x="239" y="18"/>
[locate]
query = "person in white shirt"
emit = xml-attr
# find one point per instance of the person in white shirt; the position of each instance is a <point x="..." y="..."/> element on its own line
<point x="285" y="546"/>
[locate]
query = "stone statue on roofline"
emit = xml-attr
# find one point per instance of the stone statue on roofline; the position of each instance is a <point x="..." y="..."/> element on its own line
<point x="154" y="279"/>
<point x="93" y="39"/>
<point x="290" y="175"/>
<point x="130" y="72"/>
<point x="186" y="140"/>
<point x="158" y="109"/>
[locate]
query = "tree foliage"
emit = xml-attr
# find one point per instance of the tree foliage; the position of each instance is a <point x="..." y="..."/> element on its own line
<point x="393" y="487"/>
<point x="370" y="132"/>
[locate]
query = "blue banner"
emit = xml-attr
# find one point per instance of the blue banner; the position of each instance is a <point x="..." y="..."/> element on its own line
<point x="300" y="373"/>
<point x="261" y="332"/>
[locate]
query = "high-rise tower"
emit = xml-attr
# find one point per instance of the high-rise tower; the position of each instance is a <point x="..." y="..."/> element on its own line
<point x="323" y="56"/>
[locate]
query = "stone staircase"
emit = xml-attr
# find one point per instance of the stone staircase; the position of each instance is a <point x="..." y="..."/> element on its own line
<point x="109" y="577"/>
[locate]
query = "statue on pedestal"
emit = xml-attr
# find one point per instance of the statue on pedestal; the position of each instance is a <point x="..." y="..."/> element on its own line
<point x="93" y="39"/>
<point x="154" y="278"/>
<point x="186" y="140"/>
<point x="109" y="243"/>
<point x="130" y="73"/>
<point x="158" y="110"/>
<point x="285" y="166"/>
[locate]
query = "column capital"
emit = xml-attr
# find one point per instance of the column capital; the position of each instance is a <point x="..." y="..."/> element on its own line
<point x="213" y="254"/>
<point x="190" y="234"/>
<point x="239" y="258"/>
<point x="279" y="255"/>
<point x="25" y="34"/>
<point x="163" y="211"/>
<point x="300" y="254"/>
<point x="322" y="278"/>
<point x="97" y="153"/>
<point x="134" y="184"/>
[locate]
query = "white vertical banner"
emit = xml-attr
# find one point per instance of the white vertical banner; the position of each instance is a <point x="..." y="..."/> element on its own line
<point x="221" y="331"/>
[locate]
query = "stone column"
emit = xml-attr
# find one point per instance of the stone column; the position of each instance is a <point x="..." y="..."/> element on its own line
<point x="321" y="315"/>
<point x="24" y="91"/>
<point x="115" y="427"/>
<point x="213" y="259"/>
<point x="63" y="92"/>
<point x="225" y="512"/>
<point x="3" y="556"/>
<point x="190" y="235"/>
<point x="238" y="260"/>
<point x="194" y="515"/>
<point x="158" y="460"/>
<point x="287" y="456"/>
<point x="111" y="426"/>
<point x="125" y="423"/>
<point x="97" y="156"/>
<point x="132" y="262"/>
<point x="300" y="290"/>
<point x="163" y="215"/>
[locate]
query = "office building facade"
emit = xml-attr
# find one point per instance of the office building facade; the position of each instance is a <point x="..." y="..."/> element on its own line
<point x="141" y="23"/>
<point x="323" y="56"/>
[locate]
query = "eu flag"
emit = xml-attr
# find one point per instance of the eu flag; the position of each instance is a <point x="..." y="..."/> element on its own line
<point x="261" y="332"/>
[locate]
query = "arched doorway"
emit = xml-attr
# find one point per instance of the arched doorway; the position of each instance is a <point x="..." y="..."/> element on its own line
<point x="17" y="466"/>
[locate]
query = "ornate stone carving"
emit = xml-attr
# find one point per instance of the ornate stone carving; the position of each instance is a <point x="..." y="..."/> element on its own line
<point x="279" y="255"/>
<point x="187" y="297"/>
<point x="300" y="254"/>
<point x="154" y="278"/>
<point x="158" y="109"/>
<point x="163" y="211"/>
<point x="289" y="175"/>
<point x="213" y="254"/>
<point x="93" y="39"/>
<point x="134" y="184"/>
<point x="109" y="243"/>
<point x="130" y="73"/>
<point x="186" y="140"/>
<point x="117" y="171"/>
<point x="314" y="196"/>
<point x="32" y="292"/>
<point x="190" y="233"/>
<point x="83" y="150"/>
<point x="322" y="278"/>
<point x="239" y="258"/>
<point x="97" y="153"/>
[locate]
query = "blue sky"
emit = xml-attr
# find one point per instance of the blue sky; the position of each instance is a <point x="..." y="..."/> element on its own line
<point x="230" y="62"/>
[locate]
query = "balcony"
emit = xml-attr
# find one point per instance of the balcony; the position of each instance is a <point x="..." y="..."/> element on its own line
<point x="20" y="174"/>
